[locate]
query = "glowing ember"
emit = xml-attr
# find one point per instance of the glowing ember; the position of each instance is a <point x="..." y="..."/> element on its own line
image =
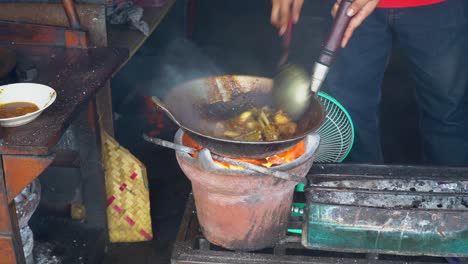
<point x="278" y="159"/>
<point x="155" y="118"/>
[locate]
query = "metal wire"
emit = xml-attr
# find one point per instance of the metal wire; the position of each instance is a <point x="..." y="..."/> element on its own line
<point x="336" y="133"/>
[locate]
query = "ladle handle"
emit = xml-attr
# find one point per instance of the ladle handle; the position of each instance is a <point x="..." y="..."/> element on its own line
<point x="335" y="37"/>
<point x="158" y="102"/>
<point x="245" y="165"/>
<point x="286" y="43"/>
<point x="72" y="14"/>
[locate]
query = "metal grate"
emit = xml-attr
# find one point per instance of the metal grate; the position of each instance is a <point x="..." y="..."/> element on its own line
<point x="192" y="247"/>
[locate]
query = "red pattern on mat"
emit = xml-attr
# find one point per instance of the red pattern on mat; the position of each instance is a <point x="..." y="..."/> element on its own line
<point x="110" y="200"/>
<point x="119" y="210"/>
<point x="145" y="235"/>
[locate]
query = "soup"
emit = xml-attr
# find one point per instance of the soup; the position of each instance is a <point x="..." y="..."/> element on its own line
<point x="258" y="124"/>
<point x="17" y="109"/>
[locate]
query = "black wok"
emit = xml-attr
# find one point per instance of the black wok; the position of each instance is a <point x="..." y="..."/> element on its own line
<point x="197" y="106"/>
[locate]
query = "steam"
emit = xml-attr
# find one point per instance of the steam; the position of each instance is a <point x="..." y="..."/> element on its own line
<point x="165" y="68"/>
<point x="181" y="61"/>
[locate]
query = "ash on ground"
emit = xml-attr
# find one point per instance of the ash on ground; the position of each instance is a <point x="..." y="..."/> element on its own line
<point x="402" y="185"/>
<point x="402" y="201"/>
<point x="44" y="254"/>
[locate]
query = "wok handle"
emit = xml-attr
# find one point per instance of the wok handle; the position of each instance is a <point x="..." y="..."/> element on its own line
<point x="245" y="165"/>
<point x="72" y="15"/>
<point x="159" y="103"/>
<point x="335" y="37"/>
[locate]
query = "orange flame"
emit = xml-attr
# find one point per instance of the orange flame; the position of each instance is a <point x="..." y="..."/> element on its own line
<point x="275" y="160"/>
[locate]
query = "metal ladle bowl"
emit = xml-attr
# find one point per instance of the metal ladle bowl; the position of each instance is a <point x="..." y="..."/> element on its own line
<point x="291" y="90"/>
<point x="292" y="87"/>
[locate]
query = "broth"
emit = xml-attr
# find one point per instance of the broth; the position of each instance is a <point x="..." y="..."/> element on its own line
<point x="16" y="109"/>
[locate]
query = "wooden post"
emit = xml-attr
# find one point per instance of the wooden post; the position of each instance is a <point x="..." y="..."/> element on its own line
<point x="11" y="246"/>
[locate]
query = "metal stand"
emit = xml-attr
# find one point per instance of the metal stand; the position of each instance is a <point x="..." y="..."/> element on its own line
<point x="192" y="247"/>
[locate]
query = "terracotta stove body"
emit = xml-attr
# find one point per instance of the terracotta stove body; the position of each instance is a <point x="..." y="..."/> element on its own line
<point x="240" y="209"/>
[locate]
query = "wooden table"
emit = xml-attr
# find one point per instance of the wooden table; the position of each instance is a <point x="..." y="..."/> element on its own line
<point x="26" y="151"/>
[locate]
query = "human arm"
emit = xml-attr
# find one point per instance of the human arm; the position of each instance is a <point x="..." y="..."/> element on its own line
<point x="282" y="9"/>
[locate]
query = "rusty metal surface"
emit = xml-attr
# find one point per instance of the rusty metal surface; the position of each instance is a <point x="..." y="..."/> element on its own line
<point x="20" y="171"/>
<point x="72" y="14"/>
<point x="23" y="33"/>
<point x="236" y="209"/>
<point x="346" y="170"/>
<point x="5" y="225"/>
<point x="7" y="251"/>
<point x="388" y="209"/>
<point x="92" y="17"/>
<point x="196" y="107"/>
<point x="76" y="75"/>
<point x="10" y="239"/>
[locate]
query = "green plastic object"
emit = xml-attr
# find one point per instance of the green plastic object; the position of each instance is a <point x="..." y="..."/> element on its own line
<point x="387" y="209"/>
<point x="385" y="231"/>
<point x="297" y="210"/>
<point x="336" y="133"/>
<point x="336" y="139"/>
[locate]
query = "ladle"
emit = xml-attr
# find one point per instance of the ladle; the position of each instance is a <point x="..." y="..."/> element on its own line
<point x="292" y="88"/>
<point x="242" y="164"/>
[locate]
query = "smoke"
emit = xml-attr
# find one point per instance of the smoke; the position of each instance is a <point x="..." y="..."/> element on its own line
<point x="180" y="61"/>
<point x="161" y="68"/>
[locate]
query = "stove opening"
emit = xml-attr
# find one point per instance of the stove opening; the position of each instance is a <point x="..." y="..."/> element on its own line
<point x="281" y="158"/>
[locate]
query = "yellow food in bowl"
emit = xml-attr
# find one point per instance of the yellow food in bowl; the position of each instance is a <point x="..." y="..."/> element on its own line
<point x="16" y="109"/>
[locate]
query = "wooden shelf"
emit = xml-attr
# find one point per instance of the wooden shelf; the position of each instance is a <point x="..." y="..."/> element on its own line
<point x="122" y="36"/>
<point x="76" y="75"/>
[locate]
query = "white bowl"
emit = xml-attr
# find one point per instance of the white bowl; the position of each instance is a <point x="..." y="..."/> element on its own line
<point x="41" y="95"/>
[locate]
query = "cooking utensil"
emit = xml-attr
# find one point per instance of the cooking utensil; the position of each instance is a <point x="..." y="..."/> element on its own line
<point x="72" y="14"/>
<point x="191" y="106"/>
<point x="79" y="36"/>
<point x="292" y="87"/>
<point x="286" y="43"/>
<point x="244" y="165"/>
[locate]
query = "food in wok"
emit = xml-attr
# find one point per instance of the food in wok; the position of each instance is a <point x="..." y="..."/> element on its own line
<point x="257" y="124"/>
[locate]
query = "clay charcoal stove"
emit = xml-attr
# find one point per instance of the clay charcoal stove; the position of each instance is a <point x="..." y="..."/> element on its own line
<point x="362" y="210"/>
<point x="240" y="209"/>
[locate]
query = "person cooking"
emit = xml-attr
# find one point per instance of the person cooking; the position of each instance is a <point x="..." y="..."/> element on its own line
<point x="433" y="34"/>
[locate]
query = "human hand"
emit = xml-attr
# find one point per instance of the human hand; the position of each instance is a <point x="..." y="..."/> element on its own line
<point x="281" y="10"/>
<point x="359" y="10"/>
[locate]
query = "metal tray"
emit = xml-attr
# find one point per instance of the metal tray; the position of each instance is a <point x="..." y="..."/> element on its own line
<point x="404" y="210"/>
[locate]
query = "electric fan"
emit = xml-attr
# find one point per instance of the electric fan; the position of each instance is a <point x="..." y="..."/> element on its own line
<point x="336" y="141"/>
<point x="336" y="133"/>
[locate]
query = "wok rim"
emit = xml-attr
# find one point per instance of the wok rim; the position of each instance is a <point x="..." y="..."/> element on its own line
<point x="312" y="130"/>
